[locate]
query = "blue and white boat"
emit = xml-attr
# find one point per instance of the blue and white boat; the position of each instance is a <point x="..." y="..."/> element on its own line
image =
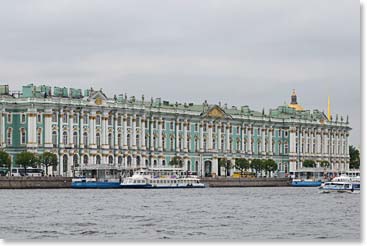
<point x="161" y="178"/>
<point x="306" y="183"/>
<point x="342" y="183"/>
<point x="92" y="183"/>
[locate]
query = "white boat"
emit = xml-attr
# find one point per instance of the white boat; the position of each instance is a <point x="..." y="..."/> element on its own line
<point x="343" y="183"/>
<point x="160" y="178"/>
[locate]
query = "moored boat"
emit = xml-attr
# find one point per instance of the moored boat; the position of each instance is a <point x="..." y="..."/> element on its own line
<point x="306" y="183"/>
<point x="161" y="178"/>
<point x="342" y="183"/>
<point x="92" y="183"/>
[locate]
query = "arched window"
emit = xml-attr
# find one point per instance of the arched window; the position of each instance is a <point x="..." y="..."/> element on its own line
<point x="222" y="145"/>
<point x="119" y="160"/>
<point x="163" y="143"/>
<point x="155" y="163"/>
<point x="85" y="159"/>
<point x="85" y="138"/>
<point x="204" y="144"/>
<point x="65" y="118"/>
<point x="196" y="166"/>
<point x="154" y="142"/>
<point x="110" y="140"/>
<point x="129" y="161"/>
<point x="39" y="136"/>
<point x="85" y="119"/>
<point x="75" y="138"/>
<point x="196" y="145"/>
<point x="110" y="159"/>
<point x="179" y="143"/>
<point x="54" y="138"/>
<point x="146" y="163"/>
<point x="188" y="165"/>
<point x="137" y="140"/>
<point x="172" y="144"/>
<point x="214" y="145"/>
<point x="163" y="162"/>
<point x="9" y="136"/>
<point x="98" y="159"/>
<point x="98" y="140"/>
<point x="138" y="161"/>
<point x="65" y="138"/>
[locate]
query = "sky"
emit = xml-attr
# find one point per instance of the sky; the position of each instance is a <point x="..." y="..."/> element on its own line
<point x="236" y="52"/>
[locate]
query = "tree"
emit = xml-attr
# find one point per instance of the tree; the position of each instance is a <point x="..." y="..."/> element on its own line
<point x="5" y="160"/>
<point x="309" y="163"/>
<point x="354" y="161"/>
<point x="256" y="164"/>
<point x="325" y="164"/>
<point x="223" y="162"/>
<point x="26" y="159"/>
<point x="48" y="159"/>
<point x="176" y="162"/>
<point x="242" y="164"/>
<point x="270" y="166"/>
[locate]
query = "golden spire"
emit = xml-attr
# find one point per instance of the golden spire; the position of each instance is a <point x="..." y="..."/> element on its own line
<point x="328" y="109"/>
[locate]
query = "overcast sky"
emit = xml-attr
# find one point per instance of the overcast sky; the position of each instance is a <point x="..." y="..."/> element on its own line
<point x="237" y="52"/>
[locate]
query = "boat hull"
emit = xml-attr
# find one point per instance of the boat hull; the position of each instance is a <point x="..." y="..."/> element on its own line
<point x="149" y="186"/>
<point x="95" y="185"/>
<point x="306" y="183"/>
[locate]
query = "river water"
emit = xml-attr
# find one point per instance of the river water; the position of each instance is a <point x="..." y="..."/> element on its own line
<point x="272" y="213"/>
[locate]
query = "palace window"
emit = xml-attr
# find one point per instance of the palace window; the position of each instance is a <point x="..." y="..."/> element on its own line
<point x="75" y="138"/>
<point x="85" y="138"/>
<point x="171" y="125"/>
<point x="119" y="160"/>
<point x="137" y="138"/>
<point x="188" y="126"/>
<point x="188" y="142"/>
<point x="163" y="124"/>
<point x="180" y="143"/>
<point x="163" y="143"/>
<point x="110" y="143"/>
<point x="204" y="127"/>
<point x="128" y="139"/>
<point x="204" y="144"/>
<point x="39" y="136"/>
<point x="172" y="144"/>
<point x="98" y="120"/>
<point x="85" y="119"/>
<point x="119" y="139"/>
<point x="238" y="129"/>
<point x="85" y="159"/>
<point x="22" y="137"/>
<point x="110" y="120"/>
<point x="65" y="117"/>
<point x="75" y="160"/>
<point x="129" y="160"/>
<point x="128" y="121"/>
<point x="196" y="145"/>
<point x="196" y="126"/>
<point x="39" y="118"/>
<point x="98" y="159"/>
<point x="222" y="144"/>
<point x="65" y="138"/>
<point x="98" y="140"/>
<point x="258" y="147"/>
<point x="118" y="120"/>
<point x="22" y="119"/>
<point x="9" y="118"/>
<point x="154" y="124"/>
<point x="110" y="159"/>
<point x="75" y="119"/>
<point x="222" y="129"/>
<point x="214" y="146"/>
<point x="286" y="148"/>
<point x="179" y="126"/>
<point x="54" y="138"/>
<point x="54" y="117"/>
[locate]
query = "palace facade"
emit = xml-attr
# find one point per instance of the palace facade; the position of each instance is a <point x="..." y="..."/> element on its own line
<point x="87" y="129"/>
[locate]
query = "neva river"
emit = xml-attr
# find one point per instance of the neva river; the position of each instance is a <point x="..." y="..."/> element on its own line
<point x="286" y="213"/>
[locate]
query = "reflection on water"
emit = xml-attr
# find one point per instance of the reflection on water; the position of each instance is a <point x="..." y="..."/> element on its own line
<point x="197" y="214"/>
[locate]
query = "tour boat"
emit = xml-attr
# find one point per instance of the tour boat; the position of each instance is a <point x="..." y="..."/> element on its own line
<point x="92" y="183"/>
<point x="342" y="183"/>
<point x="160" y="178"/>
<point x="306" y="183"/>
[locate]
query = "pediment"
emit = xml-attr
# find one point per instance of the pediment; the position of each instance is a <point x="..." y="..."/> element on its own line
<point x="216" y="112"/>
<point x="98" y="97"/>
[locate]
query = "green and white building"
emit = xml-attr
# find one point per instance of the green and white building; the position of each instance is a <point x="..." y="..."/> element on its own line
<point x="87" y="129"/>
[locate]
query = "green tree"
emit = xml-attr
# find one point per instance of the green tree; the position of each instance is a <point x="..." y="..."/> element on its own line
<point x="309" y="163"/>
<point x="325" y="164"/>
<point x="223" y="162"/>
<point x="354" y="162"/>
<point x="26" y="159"/>
<point x="5" y="160"/>
<point x="48" y="159"/>
<point x="242" y="164"/>
<point x="256" y="164"/>
<point x="270" y="166"/>
<point x="176" y="162"/>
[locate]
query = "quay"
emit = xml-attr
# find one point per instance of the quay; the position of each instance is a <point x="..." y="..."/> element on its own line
<point x="246" y="182"/>
<point x="35" y="182"/>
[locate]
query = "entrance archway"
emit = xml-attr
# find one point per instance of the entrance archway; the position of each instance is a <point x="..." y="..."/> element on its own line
<point x="207" y="168"/>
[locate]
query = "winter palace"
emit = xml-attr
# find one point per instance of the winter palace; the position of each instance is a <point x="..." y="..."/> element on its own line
<point x="87" y="129"/>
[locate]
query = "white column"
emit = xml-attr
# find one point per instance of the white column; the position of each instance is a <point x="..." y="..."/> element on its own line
<point x="219" y="132"/>
<point x="143" y="147"/>
<point x="318" y="141"/>
<point x="185" y="136"/>
<point x="210" y="136"/>
<point x="292" y="140"/>
<point x="263" y="139"/>
<point x="71" y="120"/>
<point x="177" y="136"/>
<point x="249" y="143"/>
<point x="115" y="131"/>
<point x="124" y="132"/>
<point x="201" y="137"/>
<point x="60" y="117"/>
<point x="48" y="128"/>
<point x="81" y="130"/>
<point x="151" y="135"/>
<point x="2" y="129"/>
<point x="227" y="137"/>
<point x="270" y="140"/>
<point x="133" y="132"/>
<point x="160" y="147"/>
<point x="92" y="129"/>
<point x="242" y="139"/>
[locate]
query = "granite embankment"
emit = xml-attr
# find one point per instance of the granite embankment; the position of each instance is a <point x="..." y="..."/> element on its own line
<point x="34" y="182"/>
<point x="246" y="182"/>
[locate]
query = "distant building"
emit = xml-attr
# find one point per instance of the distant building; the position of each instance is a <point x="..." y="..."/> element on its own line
<point x="90" y="130"/>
